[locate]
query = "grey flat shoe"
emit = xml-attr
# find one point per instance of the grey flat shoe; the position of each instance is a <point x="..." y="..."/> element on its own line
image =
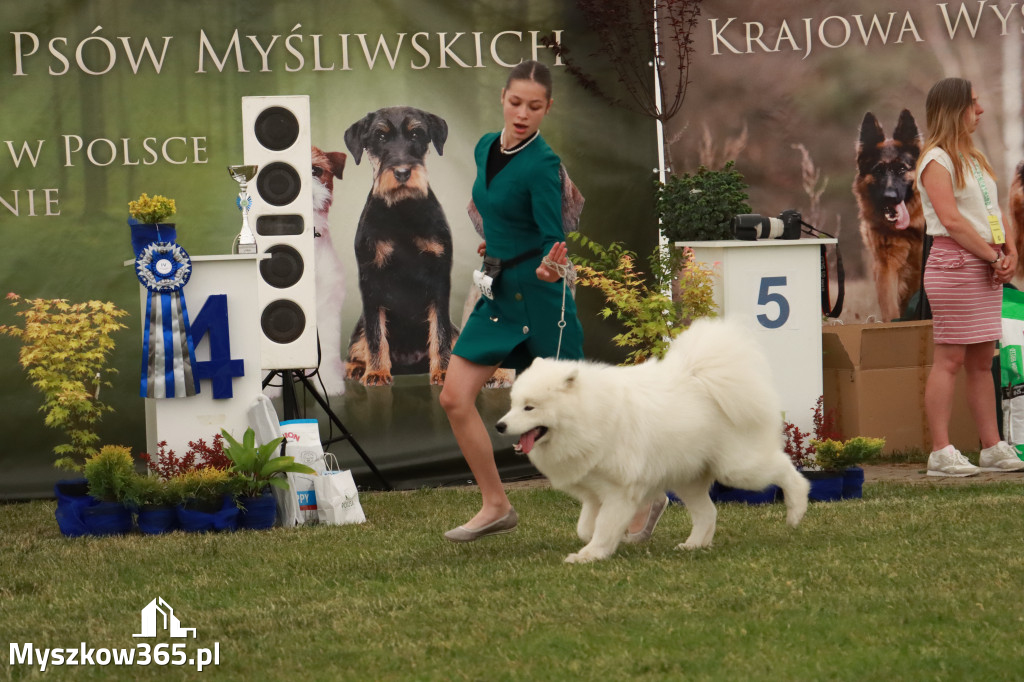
<point x="506" y="524"/>
<point x="653" y="516"/>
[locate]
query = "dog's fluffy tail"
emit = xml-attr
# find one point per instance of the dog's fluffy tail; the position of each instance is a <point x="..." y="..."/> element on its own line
<point x="722" y="357"/>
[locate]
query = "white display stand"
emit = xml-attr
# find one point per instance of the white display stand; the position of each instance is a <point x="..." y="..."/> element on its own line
<point x="774" y="288"/>
<point x="180" y="420"/>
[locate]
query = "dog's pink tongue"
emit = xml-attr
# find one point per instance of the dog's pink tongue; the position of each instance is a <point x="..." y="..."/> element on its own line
<point x="527" y="440"/>
<point x="902" y="216"/>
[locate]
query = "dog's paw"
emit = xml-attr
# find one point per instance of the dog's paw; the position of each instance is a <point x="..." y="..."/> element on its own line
<point x="502" y="378"/>
<point x="437" y="378"/>
<point x="377" y="379"/>
<point x="691" y="545"/>
<point x="355" y="371"/>
<point x="579" y="558"/>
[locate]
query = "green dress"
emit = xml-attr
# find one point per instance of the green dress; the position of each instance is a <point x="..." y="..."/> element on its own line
<point x="521" y="211"/>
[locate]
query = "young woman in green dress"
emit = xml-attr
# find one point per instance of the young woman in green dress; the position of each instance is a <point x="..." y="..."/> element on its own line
<point x="518" y="192"/>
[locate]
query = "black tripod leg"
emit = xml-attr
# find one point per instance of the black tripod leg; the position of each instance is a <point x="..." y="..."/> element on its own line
<point x="345" y="432"/>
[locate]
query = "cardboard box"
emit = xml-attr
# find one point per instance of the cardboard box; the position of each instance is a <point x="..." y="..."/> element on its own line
<point x="874" y="377"/>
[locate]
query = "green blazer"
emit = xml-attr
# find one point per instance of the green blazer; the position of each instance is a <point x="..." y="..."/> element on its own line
<point x="521" y="211"/>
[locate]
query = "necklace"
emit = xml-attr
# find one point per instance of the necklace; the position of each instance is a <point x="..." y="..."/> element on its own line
<point x="520" y="147"/>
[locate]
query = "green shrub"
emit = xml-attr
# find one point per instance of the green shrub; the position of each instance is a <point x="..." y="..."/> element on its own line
<point x="65" y="350"/>
<point x="644" y="305"/>
<point x="700" y="207"/>
<point x="834" y="455"/>
<point x="149" y="491"/>
<point x="110" y="473"/>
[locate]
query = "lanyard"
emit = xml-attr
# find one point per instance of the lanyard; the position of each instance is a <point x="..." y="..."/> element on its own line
<point x="998" y="237"/>
<point x="976" y="169"/>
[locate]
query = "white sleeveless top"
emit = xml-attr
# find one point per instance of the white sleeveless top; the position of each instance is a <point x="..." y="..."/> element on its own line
<point x="969" y="198"/>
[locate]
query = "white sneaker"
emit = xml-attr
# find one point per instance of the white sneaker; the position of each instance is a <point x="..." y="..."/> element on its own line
<point x="1000" y="457"/>
<point x="949" y="462"/>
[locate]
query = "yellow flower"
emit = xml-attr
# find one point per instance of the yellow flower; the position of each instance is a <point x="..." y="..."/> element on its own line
<point x="151" y="210"/>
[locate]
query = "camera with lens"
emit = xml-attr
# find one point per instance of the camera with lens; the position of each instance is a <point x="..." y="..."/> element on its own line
<point x="751" y="226"/>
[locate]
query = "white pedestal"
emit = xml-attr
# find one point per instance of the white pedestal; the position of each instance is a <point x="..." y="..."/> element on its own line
<point x="774" y="288"/>
<point x="180" y="420"/>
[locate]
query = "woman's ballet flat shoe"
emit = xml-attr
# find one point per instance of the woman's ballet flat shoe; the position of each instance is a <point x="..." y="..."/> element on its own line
<point x="653" y="516"/>
<point x="506" y="524"/>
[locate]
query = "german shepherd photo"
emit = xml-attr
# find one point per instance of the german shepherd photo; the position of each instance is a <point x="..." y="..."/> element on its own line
<point x="891" y="218"/>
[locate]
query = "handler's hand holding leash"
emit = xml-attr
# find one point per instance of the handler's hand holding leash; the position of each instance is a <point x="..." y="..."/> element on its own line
<point x="553" y="267"/>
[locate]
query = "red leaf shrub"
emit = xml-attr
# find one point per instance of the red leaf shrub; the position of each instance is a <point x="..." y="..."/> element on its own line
<point x="166" y="464"/>
<point x="798" y="442"/>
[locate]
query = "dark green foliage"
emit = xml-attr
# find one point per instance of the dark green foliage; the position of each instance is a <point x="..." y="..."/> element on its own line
<point x="700" y="207"/>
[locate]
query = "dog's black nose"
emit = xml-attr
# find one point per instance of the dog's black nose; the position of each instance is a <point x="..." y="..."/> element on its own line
<point x="402" y="174"/>
<point x="500" y="427"/>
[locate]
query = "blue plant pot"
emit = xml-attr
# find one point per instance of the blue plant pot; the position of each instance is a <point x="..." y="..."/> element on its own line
<point x="197" y="521"/>
<point x="257" y="513"/>
<point x="72" y="498"/>
<point x="826" y="486"/>
<point x="107" y="518"/>
<point x="724" y="493"/>
<point x="144" y="234"/>
<point x="157" y="520"/>
<point x="853" y="483"/>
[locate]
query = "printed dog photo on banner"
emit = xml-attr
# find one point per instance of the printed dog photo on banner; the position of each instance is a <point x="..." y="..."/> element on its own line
<point x="891" y="218"/>
<point x="330" y="273"/>
<point x="403" y="249"/>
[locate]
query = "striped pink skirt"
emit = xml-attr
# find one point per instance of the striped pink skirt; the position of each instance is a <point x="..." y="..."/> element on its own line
<point x="965" y="297"/>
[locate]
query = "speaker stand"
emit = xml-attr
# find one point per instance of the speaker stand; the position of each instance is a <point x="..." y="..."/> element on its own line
<point x="288" y="380"/>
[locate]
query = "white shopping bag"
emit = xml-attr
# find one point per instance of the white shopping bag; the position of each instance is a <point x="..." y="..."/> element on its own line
<point x="337" y="498"/>
<point x="298" y="504"/>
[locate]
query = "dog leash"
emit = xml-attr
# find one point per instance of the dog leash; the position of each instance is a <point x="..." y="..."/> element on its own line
<point x="567" y="273"/>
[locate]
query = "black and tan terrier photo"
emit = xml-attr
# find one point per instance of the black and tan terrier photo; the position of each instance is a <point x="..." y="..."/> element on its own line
<point x="403" y="250"/>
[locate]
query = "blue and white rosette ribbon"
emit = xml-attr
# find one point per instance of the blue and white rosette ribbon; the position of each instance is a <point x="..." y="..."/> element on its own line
<point x="168" y="351"/>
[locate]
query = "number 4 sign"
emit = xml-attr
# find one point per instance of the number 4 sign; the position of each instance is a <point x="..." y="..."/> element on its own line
<point x="220" y="369"/>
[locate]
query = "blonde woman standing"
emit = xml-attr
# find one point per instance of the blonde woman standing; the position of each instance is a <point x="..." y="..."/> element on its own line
<point x="972" y="256"/>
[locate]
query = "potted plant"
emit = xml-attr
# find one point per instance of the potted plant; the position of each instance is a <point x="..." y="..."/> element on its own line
<point x="204" y="500"/>
<point x="65" y="351"/>
<point x="109" y="474"/>
<point x="256" y="469"/>
<point x="826" y="485"/>
<point x="152" y="500"/>
<point x="701" y="206"/>
<point x="845" y="457"/>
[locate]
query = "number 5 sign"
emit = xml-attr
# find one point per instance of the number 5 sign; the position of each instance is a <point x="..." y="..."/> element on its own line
<point x="772" y="291"/>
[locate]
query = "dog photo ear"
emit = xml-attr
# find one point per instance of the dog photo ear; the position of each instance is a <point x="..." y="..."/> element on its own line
<point x="355" y="136"/>
<point x="570" y="380"/>
<point x="337" y="160"/>
<point x="906" y="130"/>
<point x="438" y="129"/>
<point x="871" y="135"/>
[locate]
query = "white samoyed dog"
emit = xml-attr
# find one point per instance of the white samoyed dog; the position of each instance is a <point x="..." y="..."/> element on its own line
<point x="616" y="438"/>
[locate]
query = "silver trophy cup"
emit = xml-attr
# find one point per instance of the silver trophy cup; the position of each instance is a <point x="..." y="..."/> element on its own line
<point x="242" y="175"/>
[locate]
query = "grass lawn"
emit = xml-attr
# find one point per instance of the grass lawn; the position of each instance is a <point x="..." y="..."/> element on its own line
<point x="910" y="583"/>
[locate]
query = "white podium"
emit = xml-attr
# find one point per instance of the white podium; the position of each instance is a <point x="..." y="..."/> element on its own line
<point x="180" y="420"/>
<point x="774" y="288"/>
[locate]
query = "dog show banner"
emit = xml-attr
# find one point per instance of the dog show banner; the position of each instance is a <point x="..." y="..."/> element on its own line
<point x="106" y="99"/>
<point x="820" y="104"/>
